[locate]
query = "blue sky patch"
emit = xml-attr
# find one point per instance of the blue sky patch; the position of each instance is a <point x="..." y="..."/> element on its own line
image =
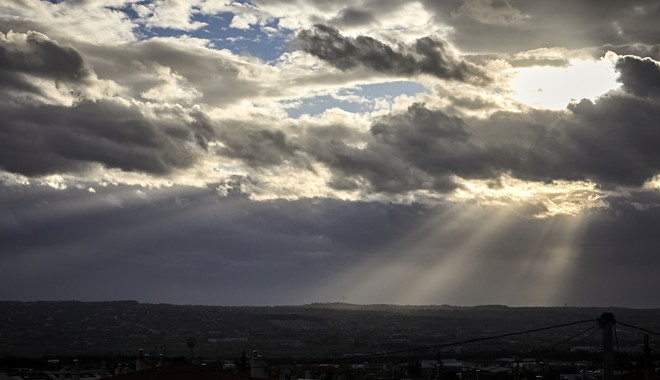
<point x="318" y="104"/>
<point x="256" y="40"/>
<point x="390" y="89"/>
<point x="368" y="93"/>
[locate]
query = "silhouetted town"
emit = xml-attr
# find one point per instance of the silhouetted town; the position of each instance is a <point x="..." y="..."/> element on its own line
<point x="330" y="341"/>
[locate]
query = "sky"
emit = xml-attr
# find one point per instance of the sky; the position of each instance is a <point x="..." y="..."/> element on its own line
<point x="272" y="152"/>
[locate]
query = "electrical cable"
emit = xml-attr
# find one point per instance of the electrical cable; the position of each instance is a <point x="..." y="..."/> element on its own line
<point x="638" y="328"/>
<point x="474" y="340"/>
<point x="618" y="350"/>
<point x="585" y="338"/>
<point x="442" y="345"/>
<point x="593" y="329"/>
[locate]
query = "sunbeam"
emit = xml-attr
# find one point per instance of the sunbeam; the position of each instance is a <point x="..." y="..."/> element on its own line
<point x="546" y="264"/>
<point x="383" y="272"/>
<point x="457" y="263"/>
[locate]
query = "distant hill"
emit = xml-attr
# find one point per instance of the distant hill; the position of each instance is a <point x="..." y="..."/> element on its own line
<point x="121" y="327"/>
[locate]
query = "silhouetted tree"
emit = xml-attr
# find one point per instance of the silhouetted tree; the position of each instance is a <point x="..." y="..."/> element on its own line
<point x="243" y="363"/>
<point x="191" y="342"/>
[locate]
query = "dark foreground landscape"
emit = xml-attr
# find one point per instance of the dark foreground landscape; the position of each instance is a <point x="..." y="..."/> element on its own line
<point x="332" y="333"/>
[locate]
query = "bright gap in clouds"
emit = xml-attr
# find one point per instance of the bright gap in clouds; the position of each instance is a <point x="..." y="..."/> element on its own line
<point x="360" y="98"/>
<point x="555" y="87"/>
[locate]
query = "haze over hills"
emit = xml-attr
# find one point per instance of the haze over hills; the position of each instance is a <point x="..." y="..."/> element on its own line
<point x="314" y="330"/>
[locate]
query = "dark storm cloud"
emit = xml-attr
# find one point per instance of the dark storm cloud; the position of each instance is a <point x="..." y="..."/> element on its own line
<point x="39" y="139"/>
<point x="414" y="150"/>
<point x="182" y="244"/>
<point x="614" y="141"/>
<point x="45" y="139"/>
<point x="609" y="142"/>
<point x="35" y="54"/>
<point x="428" y="55"/>
<point x="639" y="76"/>
<point x="186" y="245"/>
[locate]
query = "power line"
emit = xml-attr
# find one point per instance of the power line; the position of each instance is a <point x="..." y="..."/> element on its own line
<point x="474" y="340"/>
<point x="591" y="330"/>
<point x="587" y="336"/>
<point x="618" y="350"/>
<point x="638" y="328"/>
<point x="442" y="345"/>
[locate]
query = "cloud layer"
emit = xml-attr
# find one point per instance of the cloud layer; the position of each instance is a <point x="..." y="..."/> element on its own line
<point x="81" y="120"/>
<point x="373" y="149"/>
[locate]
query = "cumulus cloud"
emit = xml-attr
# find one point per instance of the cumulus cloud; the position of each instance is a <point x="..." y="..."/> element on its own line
<point x="427" y="55"/>
<point x="405" y="152"/>
<point x="420" y="149"/>
<point x="426" y="149"/>
<point x="172" y="14"/>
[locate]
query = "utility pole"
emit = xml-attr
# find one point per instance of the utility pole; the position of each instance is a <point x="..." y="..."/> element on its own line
<point x="648" y="360"/>
<point x="606" y="322"/>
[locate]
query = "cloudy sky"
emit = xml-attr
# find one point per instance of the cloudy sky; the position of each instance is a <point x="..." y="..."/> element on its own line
<point x="262" y="152"/>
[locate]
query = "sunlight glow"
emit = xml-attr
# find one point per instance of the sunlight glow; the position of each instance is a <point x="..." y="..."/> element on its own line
<point x="550" y="199"/>
<point x="555" y="87"/>
<point x="653" y="183"/>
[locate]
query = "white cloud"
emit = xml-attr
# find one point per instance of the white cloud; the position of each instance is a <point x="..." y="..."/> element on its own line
<point x="172" y="87"/>
<point x="173" y="14"/>
<point x="243" y="21"/>
<point x="88" y="21"/>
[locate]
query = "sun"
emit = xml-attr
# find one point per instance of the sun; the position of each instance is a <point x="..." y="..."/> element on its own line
<point x="555" y="87"/>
